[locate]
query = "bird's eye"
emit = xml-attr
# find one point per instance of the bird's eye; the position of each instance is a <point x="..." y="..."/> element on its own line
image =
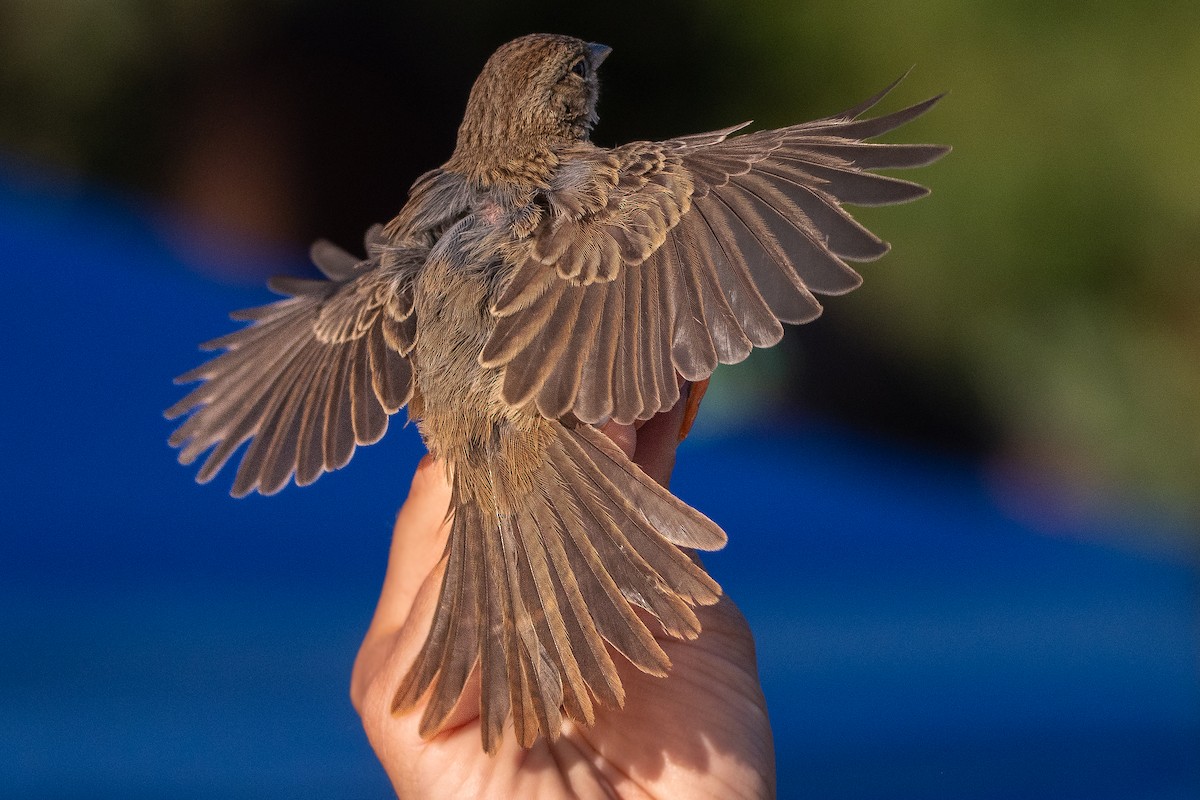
<point x="579" y="68"/>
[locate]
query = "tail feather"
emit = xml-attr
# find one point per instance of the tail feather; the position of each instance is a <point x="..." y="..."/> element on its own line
<point x="673" y="519"/>
<point x="509" y="678"/>
<point x="495" y="696"/>
<point x="538" y="581"/>
<point x="641" y="583"/>
<point x="614" y="617"/>
<point x="536" y="597"/>
<point x="587" y="645"/>
<point x="535" y="676"/>
<point x="461" y="648"/>
<point x="452" y="643"/>
<point x="680" y="573"/>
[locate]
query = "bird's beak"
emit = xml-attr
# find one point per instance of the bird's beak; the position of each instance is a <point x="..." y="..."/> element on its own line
<point x="598" y="53"/>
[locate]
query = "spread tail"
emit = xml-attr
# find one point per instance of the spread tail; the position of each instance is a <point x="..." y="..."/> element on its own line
<point x="533" y="596"/>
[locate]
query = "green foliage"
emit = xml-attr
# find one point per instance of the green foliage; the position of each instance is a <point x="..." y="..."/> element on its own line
<point x="1056" y="261"/>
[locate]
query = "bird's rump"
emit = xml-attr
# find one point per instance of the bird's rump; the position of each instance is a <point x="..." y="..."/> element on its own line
<point x="665" y="257"/>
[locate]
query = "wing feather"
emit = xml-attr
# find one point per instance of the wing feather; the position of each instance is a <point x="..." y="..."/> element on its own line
<point x="846" y="127"/>
<point x="643" y="282"/>
<point x="313" y="376"/>
<point x="692" y="349"/>
<point x="595" y="400"/>
<point x="806" y="249"/>
<point x="310" y="457"/>
<point x="728" y="337"/>
<point x="626" y="393"/>
<point x="527" y="372"/>
<point x="559" y="391"/>
<point x="844" y="235"/>
<point x="761" y="326"/>
<point x="272" y="454"/>
<point x="786" y="295"/>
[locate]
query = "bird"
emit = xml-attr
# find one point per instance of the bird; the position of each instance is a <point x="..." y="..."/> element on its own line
<point x="531" y="289"/>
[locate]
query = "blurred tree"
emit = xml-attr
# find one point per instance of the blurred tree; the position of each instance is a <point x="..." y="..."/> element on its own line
<point x="1057" y="266"/>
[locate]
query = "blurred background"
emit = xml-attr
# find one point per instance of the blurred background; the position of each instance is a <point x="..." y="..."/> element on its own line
<point x="962" y="505"/>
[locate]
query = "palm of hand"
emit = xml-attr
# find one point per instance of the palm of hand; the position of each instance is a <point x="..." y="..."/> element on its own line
<point x="700" y="732"/>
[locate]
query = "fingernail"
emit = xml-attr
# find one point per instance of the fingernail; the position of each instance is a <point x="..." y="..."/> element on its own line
<point x="695" y="393"/>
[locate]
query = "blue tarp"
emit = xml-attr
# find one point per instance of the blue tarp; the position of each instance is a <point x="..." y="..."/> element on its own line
<point x="159" y="639"/>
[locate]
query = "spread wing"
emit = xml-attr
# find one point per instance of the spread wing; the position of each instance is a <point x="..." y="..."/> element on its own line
<point x="665" y="257"/>
<point x="313" y="376"/>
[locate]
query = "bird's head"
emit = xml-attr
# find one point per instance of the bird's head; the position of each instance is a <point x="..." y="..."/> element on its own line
<point x="535" y="94"/>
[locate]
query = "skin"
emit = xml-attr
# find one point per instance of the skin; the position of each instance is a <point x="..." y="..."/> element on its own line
<point x="676" y="736"/>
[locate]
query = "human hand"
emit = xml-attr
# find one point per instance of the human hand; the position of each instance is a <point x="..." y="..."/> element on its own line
<point x="700" y="732"/>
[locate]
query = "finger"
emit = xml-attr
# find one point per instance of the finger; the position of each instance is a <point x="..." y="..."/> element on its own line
<point x="418" y="542"/>
<point x="659" y="437"/>
<point x="714" y="685"/>
<point x="623" y="436"/>
<point x="413" y="575"/>
<point x="695" y="394"/>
